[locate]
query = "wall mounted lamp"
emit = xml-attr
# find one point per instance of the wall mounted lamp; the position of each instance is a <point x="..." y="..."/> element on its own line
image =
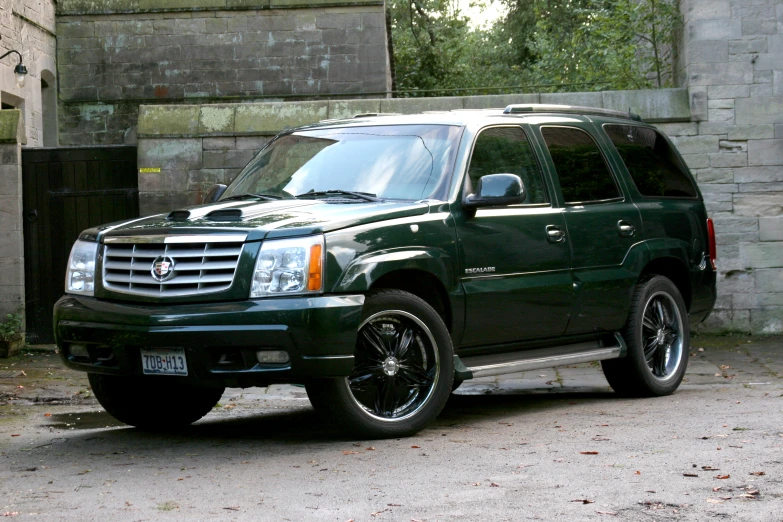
<point x="20" y="70"/>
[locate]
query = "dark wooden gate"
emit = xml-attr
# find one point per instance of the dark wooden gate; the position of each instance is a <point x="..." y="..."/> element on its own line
<point x="66" y="191"/>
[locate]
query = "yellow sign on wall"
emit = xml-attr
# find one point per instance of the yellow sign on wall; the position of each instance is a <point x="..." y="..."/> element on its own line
<point x="149" y="170"/>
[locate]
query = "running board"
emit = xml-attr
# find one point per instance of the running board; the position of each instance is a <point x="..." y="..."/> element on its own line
<point x="499" y="364"/>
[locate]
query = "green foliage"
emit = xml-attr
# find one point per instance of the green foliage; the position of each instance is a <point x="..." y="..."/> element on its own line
<point x="11" y="328"/>
<point x="575" y="45"/>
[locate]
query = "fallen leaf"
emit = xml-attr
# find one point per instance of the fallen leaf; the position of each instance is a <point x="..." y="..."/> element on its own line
<point x="758" y="473"/>
<point x="638" y="472"/>
<point x="415" y="447"/>
<point x="715" y="501"/>
<point x="722" y="477"/>
<point x="701" y="349"/>
<point x="724" y="366"/>
<point x="710" y="468"/>
<point x="476" y="484"/>
<point x="349" y="452"/>
<point x="584" y="500"/>
<point x="588" y="452"/>
<point x="47" y="414"/>
<point x="607" y="513"/>
<point x="378" y="512"/>
<point x="370" y="448"/>
<point x="717" y="489"/>
<point x="10" y="513"/>
<point x="494" y="485"/>
<point x="232" y="508"/>
<point x="394" y="505"/>
<point x="689" y="475"/>
<point x="16" y="434"/>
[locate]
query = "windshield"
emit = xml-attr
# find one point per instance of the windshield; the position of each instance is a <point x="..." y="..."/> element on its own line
<point x="390" y="162"/>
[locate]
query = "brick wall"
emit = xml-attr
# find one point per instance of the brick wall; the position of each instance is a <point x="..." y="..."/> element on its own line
<point x="112" y="59"/>
<point x="28" y="27"/>
<point x="731" y="60"/>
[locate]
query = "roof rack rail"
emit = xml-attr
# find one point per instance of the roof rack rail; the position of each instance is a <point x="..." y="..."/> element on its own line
<point x="522" y="108"/>
<point x="372" y="114"/>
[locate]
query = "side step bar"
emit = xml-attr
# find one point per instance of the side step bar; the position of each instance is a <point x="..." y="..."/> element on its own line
<point x="513" y="362"/>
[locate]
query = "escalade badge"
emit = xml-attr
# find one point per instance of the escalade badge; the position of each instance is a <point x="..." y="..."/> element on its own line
<point x="162" y="268"/>
<point x="482" y="270"/>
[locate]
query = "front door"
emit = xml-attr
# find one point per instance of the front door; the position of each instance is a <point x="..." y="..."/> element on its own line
<point x="514" y="262"/>
<point x="602" y="228"/>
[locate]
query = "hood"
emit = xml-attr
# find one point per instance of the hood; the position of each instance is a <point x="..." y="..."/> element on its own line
<point x="262" y="219"/>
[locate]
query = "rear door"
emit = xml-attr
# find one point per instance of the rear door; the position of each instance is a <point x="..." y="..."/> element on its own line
<point x="515" y="274"/>
<point x="602" y="226"/>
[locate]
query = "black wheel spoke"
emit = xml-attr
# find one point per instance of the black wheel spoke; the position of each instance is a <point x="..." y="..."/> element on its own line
<point x="365" y="374"/>
<point x="650" y="349"/>
<point x="386" y="398"/>
<point x="415" y="376"/>
<point x="374" y="340"/>
<point x="660" y="314"/>
<point x="403" y="343"/>
<point x="659" y="361"/>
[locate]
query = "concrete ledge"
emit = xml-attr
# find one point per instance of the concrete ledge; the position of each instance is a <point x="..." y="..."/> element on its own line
<point x="99" y="7"/>
<point x="260" y="119"/>
<point x="11" y="127"/>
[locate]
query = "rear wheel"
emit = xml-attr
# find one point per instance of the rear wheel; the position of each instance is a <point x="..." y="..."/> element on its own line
<point x="403" y="370"/>
<point x="153" y="403"/>
<point x="658" y="339"/>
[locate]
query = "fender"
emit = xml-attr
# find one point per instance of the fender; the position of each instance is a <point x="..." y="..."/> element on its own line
<point x="677" y="249"/>
<point x="363" y="271"/>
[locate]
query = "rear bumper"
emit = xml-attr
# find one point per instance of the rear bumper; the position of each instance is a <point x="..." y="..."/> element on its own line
<point x="220" y="339"/>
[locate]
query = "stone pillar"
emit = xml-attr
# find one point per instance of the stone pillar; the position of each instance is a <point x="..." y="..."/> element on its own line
<point x="731" y="61"/>
<point x="11" y="236"/>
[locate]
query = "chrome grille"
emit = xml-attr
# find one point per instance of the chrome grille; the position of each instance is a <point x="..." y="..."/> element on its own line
<point x="203" y="264"/>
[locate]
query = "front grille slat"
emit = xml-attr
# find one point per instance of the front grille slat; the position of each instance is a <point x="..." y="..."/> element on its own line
<point x="199" y="267"/>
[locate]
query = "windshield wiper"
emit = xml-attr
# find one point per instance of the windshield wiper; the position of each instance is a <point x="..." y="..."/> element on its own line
<point x="366" y="196"/>
<point x="266" y="197"/>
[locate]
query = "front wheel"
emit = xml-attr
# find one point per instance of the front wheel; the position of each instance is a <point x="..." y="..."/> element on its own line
<point x="153" y="403"/>
<point x="403" y="370"/>
<point x="658" y="338"/>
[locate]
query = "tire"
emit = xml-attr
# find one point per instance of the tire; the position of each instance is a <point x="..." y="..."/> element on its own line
<point x="658" y="338"/>
<point x="140" y="401"/>
<point x="402" y="375"/>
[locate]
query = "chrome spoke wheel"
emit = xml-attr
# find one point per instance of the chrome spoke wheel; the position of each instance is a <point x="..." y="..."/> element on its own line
<point x="662" y="339"/>
<point x="396" y="368"/>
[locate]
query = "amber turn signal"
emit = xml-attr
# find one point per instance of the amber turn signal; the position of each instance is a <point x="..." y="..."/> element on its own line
<point x="316" y="268"/>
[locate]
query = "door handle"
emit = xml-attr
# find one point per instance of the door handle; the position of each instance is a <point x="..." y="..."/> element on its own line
<point x="626" y="229"/>
<point x="555" y="234"/>
<point x="32" y="215"/>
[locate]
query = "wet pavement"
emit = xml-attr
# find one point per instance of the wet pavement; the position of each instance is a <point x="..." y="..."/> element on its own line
<point x="542" y="445"/>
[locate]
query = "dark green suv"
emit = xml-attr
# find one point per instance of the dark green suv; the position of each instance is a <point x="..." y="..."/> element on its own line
<point x="382" y="260"/>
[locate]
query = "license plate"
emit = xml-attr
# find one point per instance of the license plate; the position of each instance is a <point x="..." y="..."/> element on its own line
<point x="164" y="361"/>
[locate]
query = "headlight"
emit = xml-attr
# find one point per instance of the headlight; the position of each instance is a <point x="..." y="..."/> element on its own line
<point x="80" y="274"/>
<point x="289" y="266"/>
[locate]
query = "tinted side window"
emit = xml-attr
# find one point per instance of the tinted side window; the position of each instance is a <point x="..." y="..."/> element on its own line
<point x="584" y="175"/>
<point x="506" y="150"/>
<point x="655" y="168"/>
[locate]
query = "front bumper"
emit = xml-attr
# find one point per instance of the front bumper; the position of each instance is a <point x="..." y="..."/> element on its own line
<point x="220" y="339"/>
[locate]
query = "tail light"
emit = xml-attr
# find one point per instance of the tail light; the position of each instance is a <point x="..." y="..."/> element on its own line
<point x="711" y="240"/>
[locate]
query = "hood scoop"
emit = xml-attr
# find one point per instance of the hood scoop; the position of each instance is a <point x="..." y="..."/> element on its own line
<point x="226" y="214"/>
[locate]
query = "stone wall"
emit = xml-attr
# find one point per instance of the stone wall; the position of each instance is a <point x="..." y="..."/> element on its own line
<point x="731" y="60"/>
<point x="11" y="242"/>
<point x="28" y="26"/>
<point x="196" y="146"/>
<point x="115" y="55"/>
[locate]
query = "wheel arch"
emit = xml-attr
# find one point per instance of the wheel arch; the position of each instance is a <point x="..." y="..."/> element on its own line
<point x="422" y="284"/>
<point x="675" y="270"/>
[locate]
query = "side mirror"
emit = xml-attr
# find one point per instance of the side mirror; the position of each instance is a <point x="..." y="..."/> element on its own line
<point x="496" y="190"/>
<point x="214" y="193"/>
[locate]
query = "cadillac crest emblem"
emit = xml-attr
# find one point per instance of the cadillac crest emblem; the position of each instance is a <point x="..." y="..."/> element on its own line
<point x="162" y="268"/>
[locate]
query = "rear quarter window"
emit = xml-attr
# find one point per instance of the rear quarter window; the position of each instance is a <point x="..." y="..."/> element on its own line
<point x="655" y="168"/>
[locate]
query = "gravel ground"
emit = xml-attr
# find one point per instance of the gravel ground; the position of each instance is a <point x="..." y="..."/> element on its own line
<point x="544" y="445"/>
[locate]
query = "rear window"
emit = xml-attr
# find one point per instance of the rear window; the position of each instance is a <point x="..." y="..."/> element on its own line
<point x="654" y="167"/>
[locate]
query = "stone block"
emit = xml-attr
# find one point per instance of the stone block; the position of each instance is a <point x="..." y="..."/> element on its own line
<point x="349" y="108"/>
<point x="751" y="132"/>
<point x="758" y="174"/>
<point x="12" y="271"/>
<point x="164" y="202"/>
<point x="696" y="144"/>
<point x="765" y="152"/>
<point x="748" y="46"/>
<point x="254" y="143"/>
<point x="770" y="280"/>
<point x="757" y="111"/>
<point x="720" y="128"/>
<point x="500" y="101"/>
<point x="771" y="228"/>
<point x="762" y="89"/>
<point x="77" y="29"/>
<point x="713" y="190"/>
<point x="766" y="204"/>
<point x="722" y="29"/>
<point x="581" y="99"/>
<point x="226" y="159"/>
<point x="720" y="73"/>
<point x="653" y="105"/>
<point x="10" y="180"/>
<point x="11" y="126"/>
<point x="170" y="154"/>
<point x="223" y="143"/>
<point x="728" y="91"/>
<point x="721" y="115"/>
<point x="417" y="105"/>
<point x="11" y="212"/>
<point x="706" y="9"/>
<point x="679" y="129"/>
<point x="714" y="175"/>
<point x="719" y="103"/>
<point x="728" y="159"/>
<point x="762" y="255"/>
<point x="702" y="51"/>
<point x="736" y="225"/>
<point x="755" y="26"/>
<point x="762" y="187"/>
<point x="11" y="243"/>
<point x="271" y="118"/>
<point x="168" y="120"/>
<point x="767" y="320"/>
<point x="216" y="119"/>
<point x="696" y="161"/>
<point x="697" y="99"/>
